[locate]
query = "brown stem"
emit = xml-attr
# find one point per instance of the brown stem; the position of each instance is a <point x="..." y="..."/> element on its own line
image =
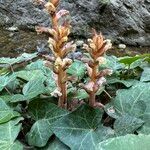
<point x="92" y="95"/>
<point x="62" y="85"/>
<point x="92" y="99"/>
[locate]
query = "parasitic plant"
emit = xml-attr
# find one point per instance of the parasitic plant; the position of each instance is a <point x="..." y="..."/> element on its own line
<point x="60" y="47"/>
<point x="96" y="47"/>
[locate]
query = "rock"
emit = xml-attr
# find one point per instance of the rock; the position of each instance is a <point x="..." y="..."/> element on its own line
<point x="124" y="21"/>
<point x="122" y="46"/>
<point x="13" y="28"/>
<point x="75" y="55"/>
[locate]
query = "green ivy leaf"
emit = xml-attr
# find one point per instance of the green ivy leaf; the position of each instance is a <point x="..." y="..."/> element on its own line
<point x="145" y="75"/>
<point x="23" y="57"/>
<point x="127" y="124"/>
<point x="55" y="144"/>
<point x="134" y="102"/>
<point x="127" y="142"/>
<point x="6" y="113"/>
<point x="50" y="85"/>
<point x="33" y="88"/>
<point x="11" y="146"/>
<point x="77" y="69"/>
<point x="112" y="63"/>
<point x="30" y="75"/>
<point x="45" y="114"/>
<point x="39" y="65"/>
<point x="5" y="80"/>
<point x="17" y="98"/>
<point x="8" y="134"/>
<point x="127" y="83"/>
<point x="81" y="94"/>
<point x="82" y="128"/>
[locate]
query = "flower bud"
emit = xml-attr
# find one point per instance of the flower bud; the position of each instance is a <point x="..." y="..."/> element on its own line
<point x="101" y="60"/>
<point x="50" y="7"/>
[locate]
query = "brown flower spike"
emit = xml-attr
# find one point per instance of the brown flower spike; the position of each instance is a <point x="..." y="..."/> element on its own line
<point x="60" y="47"/>
<point x="96" y="47"/>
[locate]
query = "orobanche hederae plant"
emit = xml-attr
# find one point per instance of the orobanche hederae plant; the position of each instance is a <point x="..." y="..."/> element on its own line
<point x="60" y="47"/>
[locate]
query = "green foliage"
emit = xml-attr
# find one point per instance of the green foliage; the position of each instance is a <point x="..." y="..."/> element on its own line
<point x="8" y="134"/>
<point x="77" y="69"/>
<point x="82" y="128"/>
<point x="44" y="113"/>
<point x="27" y="107"/>
<point x="145" y="74"/>
<point x="132" y="142"/>
<point x="6" y="113"/>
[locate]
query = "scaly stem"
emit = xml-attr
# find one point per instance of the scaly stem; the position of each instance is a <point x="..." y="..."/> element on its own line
<point x="92" y="99"/>
<point x="62" y="85"/>
<point x="92" y="95"/>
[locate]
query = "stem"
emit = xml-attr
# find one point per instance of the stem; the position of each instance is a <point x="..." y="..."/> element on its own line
<point x="62" y="85"/>
<point x="92" y="99"/>
<point x="92" y="95"/>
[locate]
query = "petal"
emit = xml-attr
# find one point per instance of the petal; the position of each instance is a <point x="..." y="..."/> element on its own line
<point x="55" y="2"/>
<point x="101" y="81"/>
<point x="61" y="14"/>
<point x="50" y="7"/>
<point x="89" y="70"/>
<point x="101" y="60"/>
<point x="56" y="93"/>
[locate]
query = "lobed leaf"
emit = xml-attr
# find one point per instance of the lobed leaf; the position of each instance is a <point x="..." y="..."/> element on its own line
<point x="82" y="128"/>
<point x="127" y="142"/>
<point x="45" y="114"/>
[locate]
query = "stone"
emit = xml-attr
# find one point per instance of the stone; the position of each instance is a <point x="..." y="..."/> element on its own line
<point x="13" y="28"/>
<point x="122" y="46"/>
<point x="123" y="21"/>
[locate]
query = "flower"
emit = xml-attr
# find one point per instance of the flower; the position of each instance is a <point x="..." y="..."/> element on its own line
<point x="101" y="60"/>
<point x="97" y="46"/>
<point x="56" y="93"/>
<point x="50" y="7"/>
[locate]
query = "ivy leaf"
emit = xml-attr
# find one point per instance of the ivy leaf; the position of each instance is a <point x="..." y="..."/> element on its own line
<point x="45" y="114"/>
<point x="127" y="83"/>
<point x="134" y="102"/>
<point x="77" y="69"/>
<point x="50" y="85"/>
<point x="5" y="80"/>
<point x="56" y="144"/>
<point x="6" y="113"/>
<point x="11" y="146"/>
<point x="131" y="142"/>
<point x="145" y="75"/>
<point x="82" y="128"/>
<point x="113" y="63"/>
<point x="39" y="65"/>
<point x="127" y="124"/>
<point x="17" y="98"/>
<point x="30" y="75"/>
<point x="8" y="134"/>
<point x="81" y="94"/>
<point x="23" y="57"/>
<point x="33" y="88"/>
